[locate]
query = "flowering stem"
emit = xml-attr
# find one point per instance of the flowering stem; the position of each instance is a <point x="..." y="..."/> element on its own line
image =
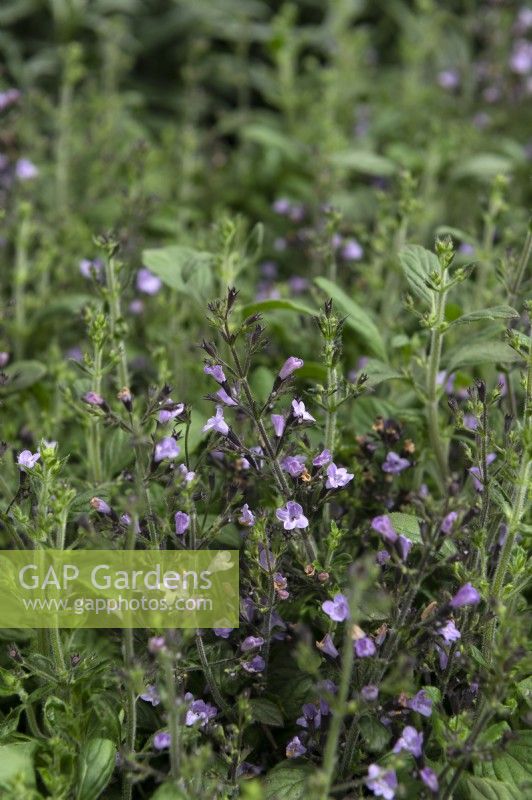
<point x="209" y="677"/>
<point x="173" y="714"/>
<point x="95" y="445"/>
<point x="129" y="661"/>
<point x="436" y="343"/>
<point x="114" y="318"/>
<point x="20" y="278"/>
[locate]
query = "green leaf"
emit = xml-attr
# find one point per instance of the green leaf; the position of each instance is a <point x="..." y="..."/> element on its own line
<point x="169" y="791"/>
<point x="269" y="137"/>
<point x="22" y="374"/>
<point x="487" y="789"/>
<point x="365" y="162"/>
<point x="496" y="312"/>
<point x="287" y="781"/>
<point x="379" y="372"/>
<point x="357" y="317"/>
<point x="418" y="264"/>
<point x="513" y="768"/>
<point x="374" y="734"/>
<point x="264" y="306"/>
<point x="16" y="763"/>
<point x="96" y="765"/>
<point x="406" y="524"/>
<point x="181" y="268"/>
<point x="484" y="352"/>
<point x="484" y="166"/>
<point x="266" y="711"/>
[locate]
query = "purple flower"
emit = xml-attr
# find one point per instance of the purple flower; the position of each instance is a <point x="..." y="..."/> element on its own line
<point x="256" y="664"/>
<point x="521" y="57"/>
<point x="266" y="559"/>
<point x="352" y="250"/>
<point x="382" y="557"/>
<point x="182" y="521"/>
<point x="279" y="584"/>
<point x="136" y="306"/>
<point x="394" y="464"/>
<point x="147" y="282"/>
<point x="477" y="475"/>
<point x="162" y="740"/>
<point x="404" y="545"/>
<point x="4" y="358"/>
<point x="298" y="284"/>
<point x="281" y="206"/>
<point x="8" y="98"/>
<point x="383" y="525"/>
<point x="278" y="423"/>
<point x="223" y="633"/>
<point x="449" y="632"/>
<point x="448" y="79"/>
<point x="25" y="170"/>
<point x="294" y="465"/>
<point x="246" y="517"/>
<point x="410" y="740"/>
<point x="217" y="423"/>
<point x="216" y="372"/>
<point x="337" y="608"/>
<point x="290" y="366"/>
<point x="200" y="711"/>
<point x="291" y="515"/>
<point x="365" y="647"/>
<point x="448" y="522"/>
<point x="89" y="268"/>
<point x="28" y="459"/>
<point x="93" y="399"/>
<point x="322" y="459"/>
<point x="187" y="474"/>
<point x="156" y="644"/>
<point x="311" y="717"/>
<point x="166" y="448"/>
<point x="151" y="695"/>
<point x="172" y="411"/>
<point x="251" y="643"/>
<point x="370" y="692"/>
<point x="381" y="782"/>
<point x="327" y="646"/>
<point x="467" y="595"/>
<point x="222" y="395"/>
<point x="337" y="477"/>
<point x="429" y="778"/>
<point x="300" y="412"/>
<point x="421" y="703"/>
<point x="100" y="505"/>
<point x="295" y="748"/>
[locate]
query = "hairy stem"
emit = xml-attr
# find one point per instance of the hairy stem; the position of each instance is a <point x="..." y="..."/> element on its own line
<point x="436" y="343"/>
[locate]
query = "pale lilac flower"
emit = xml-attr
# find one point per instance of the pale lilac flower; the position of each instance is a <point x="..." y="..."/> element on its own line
<point x="382" y="557"/>
<point x="166" y="448"/>
<point x="370" y="692"/>
<point x="156" y="644"/>
<point x="381" y="782"/>
<point x="300" y="412"/>
<point x="352" y="250"/>
<point x="448" y="522"/>
<point x="337" y="477"/>
<point x="281" y="206"/>
<point x="477" y="475"/>
<point x="294" y="465"/>
<point x="25" y="170"/>
<point x="394" y="463"/>
<point x="4" y="358"/>
<point x="172" y="411"/>
<point x="322" y="459"/>
<point x="311" y="717"/>
<point x="93" y="399"/>
<point x="290" y="366"/>
<point x="383" y="525"/>
<point x="251" y="643"/>
<point x="279" y="584"/>
<point x="291" y="515"/>
<point x="298" y="284"/>
<point x="147" y="282"/>
<point x="410" y="740"/>
<point x="448" y="79"/>
<point x="327" y="646"/>
<point x="429" y="778"/>
<point x="223" y="633"/>
<point x="226" y="398"/>
<point x="421" y="703"/>
<point x="187" y="474"/>
<point x="161" y="741"/>
<point x="365" y="647"/>
<point x="89" y="267"/>
<point x="278" y="422"/>
<point x="295" y="748"/>
<point x="100" y="505"/>
<point x="216" y="372"/>
<point x="200" y="711"/>
<point x="337" y="608"/>
<point x="182" y="521"/>
<point x="28" y="459"/>
<point x="136" y="306"/>
<point x="8" y="98"/>
<point x="404" y="545"/>
<point x="217" y="423"/>
<point x="449" y="632"/>
<point x="151" y="695"/>
<point x="256" y="664"/>
<point x="521" y="57"/>
<point x="246" y="517"/>
<point x="467" y="595"/>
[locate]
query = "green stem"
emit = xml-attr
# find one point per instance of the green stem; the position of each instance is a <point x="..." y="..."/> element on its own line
<point x="436" y="344"/>
<point x="114" y="318"/>
<point x="209" y="677"/>
<point x="173" y="715"/>
<point x="20" y="278"/>
<point x="129" y="662"/>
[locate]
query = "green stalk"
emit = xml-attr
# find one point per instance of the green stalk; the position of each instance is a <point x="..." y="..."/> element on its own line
<point x="114" y="319"/>
<point x="209" y="677"/>
<point x="436" y="344"/>
<point x="129" y="661"/>
<point x="173" y="715"/>
<point x="95" y="444"/>
<point x="20" y="279"/>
